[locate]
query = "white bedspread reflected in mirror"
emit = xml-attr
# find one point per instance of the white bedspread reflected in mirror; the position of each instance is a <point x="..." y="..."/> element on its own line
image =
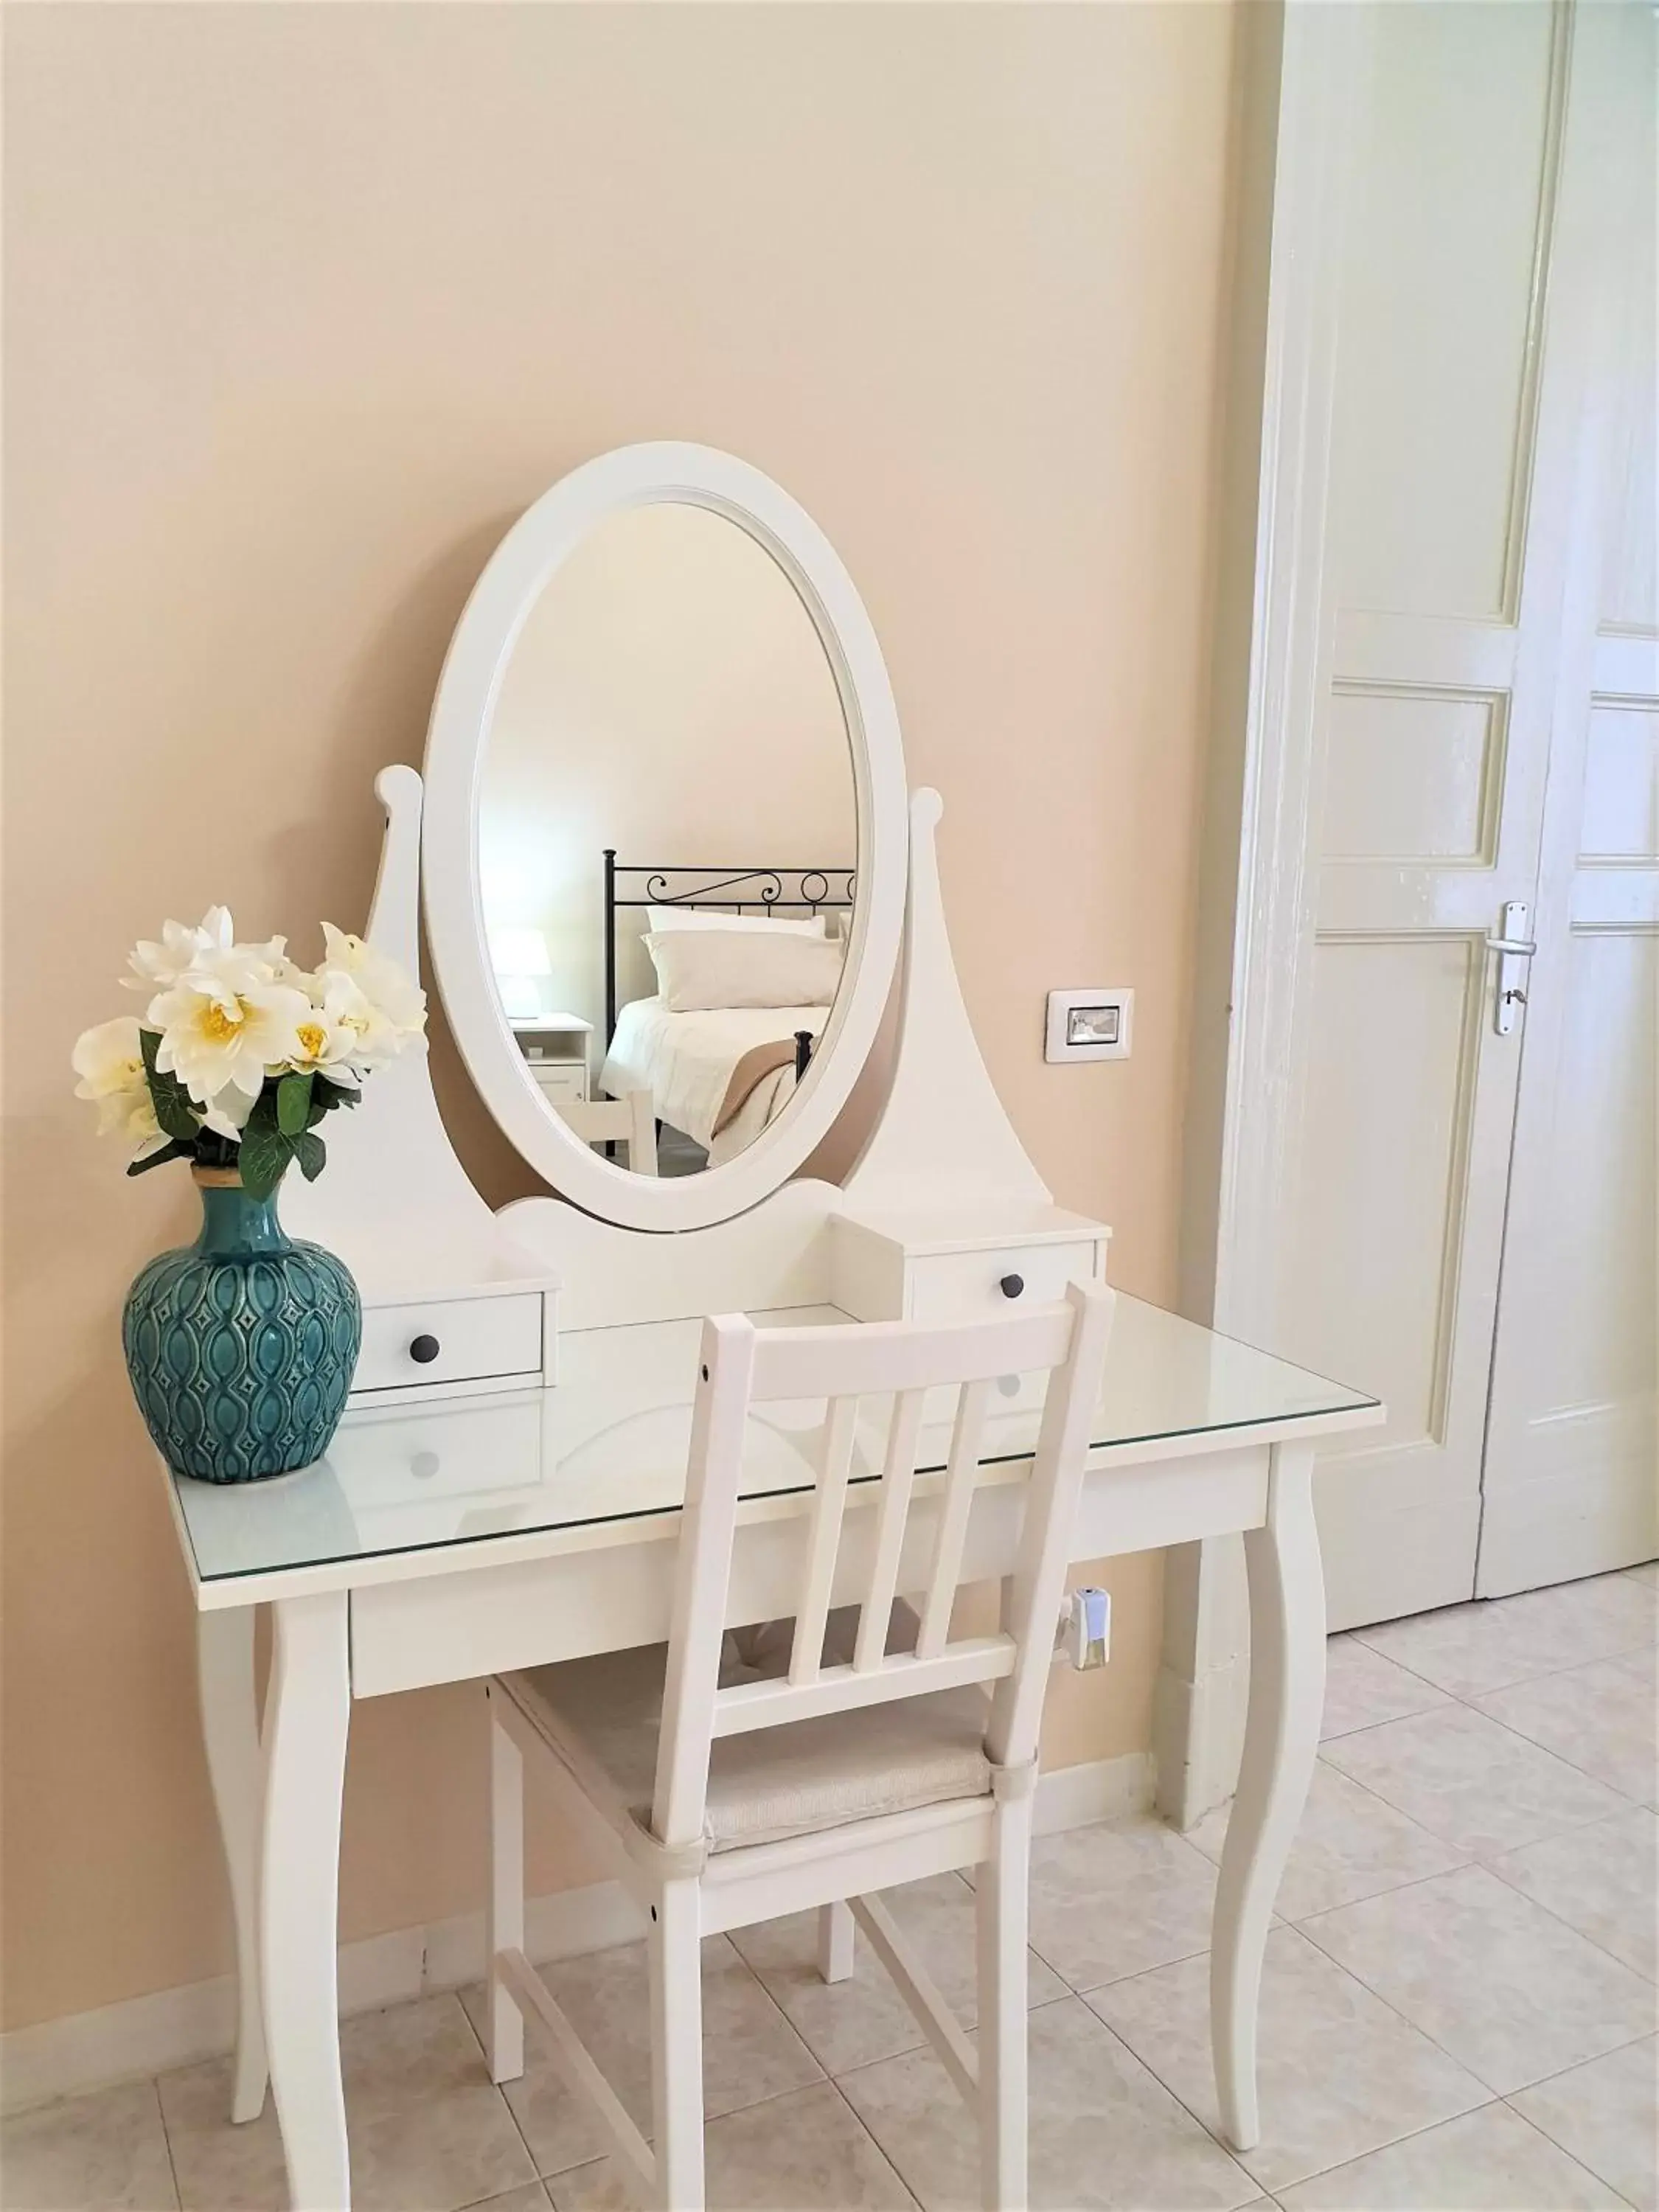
<point x="668" y="859"/>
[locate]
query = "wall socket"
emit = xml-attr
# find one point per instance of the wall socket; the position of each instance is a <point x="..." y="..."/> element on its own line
<point x="1089" y="1024"/>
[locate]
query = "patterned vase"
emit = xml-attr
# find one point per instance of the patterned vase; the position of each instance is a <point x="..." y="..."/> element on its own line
<point x="241" y="1346"/>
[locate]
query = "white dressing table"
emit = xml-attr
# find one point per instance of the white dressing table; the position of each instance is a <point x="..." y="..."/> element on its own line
<point x="451" y="1541"/>
<point x="505" y="1489"/>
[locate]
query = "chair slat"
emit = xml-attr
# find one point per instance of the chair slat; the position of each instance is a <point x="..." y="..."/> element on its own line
<point x="898" y="1476"/>
<point x="962" y="1474"/>
<point x="748" y="1705"/>
<point x="869" y="1359"/>
<point x="806" y="1652"/>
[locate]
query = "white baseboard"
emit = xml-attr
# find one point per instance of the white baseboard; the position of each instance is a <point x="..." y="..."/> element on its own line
<point x="1099" y="1790"/>
<point x="173" y="2028"/>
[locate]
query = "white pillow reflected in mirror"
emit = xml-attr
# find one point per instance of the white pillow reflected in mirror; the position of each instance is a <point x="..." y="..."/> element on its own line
<point x="688" y="917"/>
<point x="700" y="970"/>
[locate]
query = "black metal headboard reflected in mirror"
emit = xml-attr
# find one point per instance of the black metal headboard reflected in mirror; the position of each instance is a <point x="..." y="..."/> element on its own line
<point x="635" y="884"/>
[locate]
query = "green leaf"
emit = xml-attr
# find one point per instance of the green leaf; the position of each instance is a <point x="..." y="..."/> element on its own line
<point x="175" y="1115"/>
<point x="264" y="1115"/>
<point x="264" y="1156"/>
<point x="178" y="1150"/>
<point x="335" y="1094"/>
<point x="293" y="1105"/>
<point x="312" y="1153"/>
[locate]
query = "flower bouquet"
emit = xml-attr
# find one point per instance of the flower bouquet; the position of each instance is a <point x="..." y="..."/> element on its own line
<point x="242" y="1348"/>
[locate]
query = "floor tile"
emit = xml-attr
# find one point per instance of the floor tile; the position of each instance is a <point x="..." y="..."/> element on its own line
<point x="1648" y="1572"/>
<point x="1349" y="1845"/>
<point x="429" y="2130"/>
<point x="556" y="2123"/>
<point x="222" y="2167"/>
<point x="749" y="2052"/>
<point x="1477" y="1785"/>
<point x="853" y="2023"/>
<point x="1104" y="2131"/>
<point x="1603" y="1880"/>
<point x="1118" y="1898"/>
<point x="1488" y="2162"/>
<point x="806" y="2150"/>
<point x="1362" y="1688"/>
<point x="1606" y="2115"/>
<point x="1500" y="1984"/>
<point x="532" y="2197"/>
<point x="1600" y="1718"/>
<point x="1468" y="1650"/>
<point x="1339" y="2072"/>
<point x="88" y="2154"/>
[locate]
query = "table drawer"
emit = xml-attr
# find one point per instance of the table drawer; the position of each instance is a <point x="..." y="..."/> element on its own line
<point x="979" y="1286"/>
<point x="464" y="1340"/>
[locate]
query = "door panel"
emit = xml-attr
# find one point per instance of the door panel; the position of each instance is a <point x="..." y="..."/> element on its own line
<point x="1387" y="1079"/>
<point x="1414" y="774"/>
<point x="1455" y="182"/>
<point x="1452" y="442"/>
<point x="1571" y="1483"/>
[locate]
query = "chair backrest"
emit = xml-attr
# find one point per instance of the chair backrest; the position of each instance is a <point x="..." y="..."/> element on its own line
<point x="742" y="1366"/>
<point x="628" y="1120"/>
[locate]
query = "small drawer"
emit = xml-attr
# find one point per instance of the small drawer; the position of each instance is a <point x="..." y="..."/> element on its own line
<point x="457" y="1341"/>
<point x="979" y="1286"/>
<point x="560" y="1079"/>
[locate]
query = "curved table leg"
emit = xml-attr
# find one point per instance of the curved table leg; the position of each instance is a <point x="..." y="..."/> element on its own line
<point x="309" y="1707"/>
<point x="230" y="1732"/>
<point x="1281" y="1735"/>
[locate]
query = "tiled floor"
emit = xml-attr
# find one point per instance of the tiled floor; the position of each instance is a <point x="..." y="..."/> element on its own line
<point x="1459" y="2012"/>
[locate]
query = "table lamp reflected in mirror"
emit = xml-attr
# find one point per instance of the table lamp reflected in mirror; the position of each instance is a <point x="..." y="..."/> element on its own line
<point x="520" y="959"/>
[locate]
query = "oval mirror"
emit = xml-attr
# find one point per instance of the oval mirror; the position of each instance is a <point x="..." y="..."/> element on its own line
<point x="664" y="839"/>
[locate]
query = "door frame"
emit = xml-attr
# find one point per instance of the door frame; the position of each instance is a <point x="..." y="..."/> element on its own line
<point x="1296" y="87"/>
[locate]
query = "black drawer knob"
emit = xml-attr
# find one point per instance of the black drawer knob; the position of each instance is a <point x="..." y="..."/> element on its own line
<point x="424" y="1349"/>
<point x="1012" y="1286"/>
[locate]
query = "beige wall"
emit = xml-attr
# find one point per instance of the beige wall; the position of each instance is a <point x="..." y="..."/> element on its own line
<point x="303" y="306"/>
<point x="667" y="696"/>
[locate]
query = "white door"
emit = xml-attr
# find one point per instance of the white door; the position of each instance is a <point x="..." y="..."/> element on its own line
<point x="1476" y="261"/>
<point x="1570" y="1483"/>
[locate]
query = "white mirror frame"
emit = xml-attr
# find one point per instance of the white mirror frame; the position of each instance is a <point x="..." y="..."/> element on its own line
<point x="458" y="747"/>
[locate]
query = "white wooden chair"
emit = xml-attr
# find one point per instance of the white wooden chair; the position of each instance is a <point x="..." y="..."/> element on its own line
<point x="628" y="1120"/>
<point x="735" y="1793"/>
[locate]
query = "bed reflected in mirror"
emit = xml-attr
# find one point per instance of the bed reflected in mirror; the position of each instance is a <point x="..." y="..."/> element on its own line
<point x="667" y="836"/>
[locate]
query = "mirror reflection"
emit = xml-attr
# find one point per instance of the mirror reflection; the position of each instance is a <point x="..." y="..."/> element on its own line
<point x="667" y="839"/>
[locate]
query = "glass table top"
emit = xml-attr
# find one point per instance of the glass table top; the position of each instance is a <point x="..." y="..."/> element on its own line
<point x="609" y="1442"/>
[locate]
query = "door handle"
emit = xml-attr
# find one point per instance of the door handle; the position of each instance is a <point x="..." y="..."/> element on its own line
<point x="1512" y="945"/>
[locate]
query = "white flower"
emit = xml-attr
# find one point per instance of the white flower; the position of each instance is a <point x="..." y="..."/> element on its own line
<point x="224" y="1027"/>
<point x="160" y="967"/>
<point x="225" y="1113"/>
<point x="331" y="1036"/>
<point x="390" y="990"/>
<point x="111" y="1067"/>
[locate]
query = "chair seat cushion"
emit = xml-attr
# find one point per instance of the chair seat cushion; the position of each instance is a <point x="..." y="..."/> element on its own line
<point x="770" y="1783"/>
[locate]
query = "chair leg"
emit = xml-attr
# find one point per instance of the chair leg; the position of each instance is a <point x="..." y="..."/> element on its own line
<point x="675" y="1950"/>
<point x="1002" y="1893"/>
<point x="504" y="1914"/>
<point x="836" y="1942"/>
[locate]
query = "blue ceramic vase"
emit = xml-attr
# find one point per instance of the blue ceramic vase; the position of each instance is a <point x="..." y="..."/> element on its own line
<point x="241" y="1346"/>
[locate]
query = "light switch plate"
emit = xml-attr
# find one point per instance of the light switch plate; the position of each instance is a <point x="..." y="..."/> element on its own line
<point x="1096" y="1025"/>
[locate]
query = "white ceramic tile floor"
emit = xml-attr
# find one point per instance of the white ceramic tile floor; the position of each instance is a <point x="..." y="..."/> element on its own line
<point x="1458" y="2015"/>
